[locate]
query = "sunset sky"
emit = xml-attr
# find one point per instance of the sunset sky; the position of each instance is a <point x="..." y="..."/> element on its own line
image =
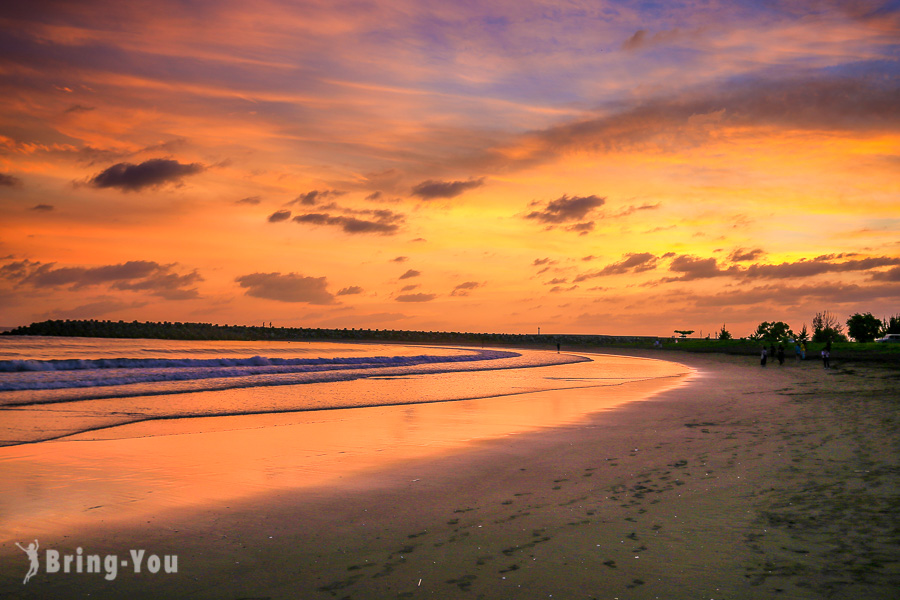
<point x="604" y="166"/>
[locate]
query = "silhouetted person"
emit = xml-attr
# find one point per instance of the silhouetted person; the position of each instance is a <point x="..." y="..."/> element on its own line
<point x="826" y="358"/>
<point x="762" y="357"/>
<point x="780" y="355"/>
<point x="557" y="347"/>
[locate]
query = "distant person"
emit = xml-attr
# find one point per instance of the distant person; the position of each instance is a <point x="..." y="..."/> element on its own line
<point x="32" y="552"/>
<point x="802" y="350"/>
<point x="557" y="347"/>
<point x="762" y="357"/>
<point x="780" y="355"/>
<point x="797" y="351"/>
<point x="826" y="358"/>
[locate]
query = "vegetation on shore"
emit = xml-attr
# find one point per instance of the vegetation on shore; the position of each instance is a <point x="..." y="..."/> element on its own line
<point x="208" y="331"/>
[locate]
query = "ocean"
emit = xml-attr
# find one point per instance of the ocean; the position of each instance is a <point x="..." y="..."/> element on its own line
<point x="94" y="430"/>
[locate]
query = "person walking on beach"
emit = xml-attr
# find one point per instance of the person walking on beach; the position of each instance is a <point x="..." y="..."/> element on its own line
<point x="797" y="350"/>
<point x="826" y="358"/>
<point x="762" y="357"/>
<point x="32" y="552"/>
<point x="802" y="350"/>
<point x="780" y="355"/>
<point x="557" y="347"/>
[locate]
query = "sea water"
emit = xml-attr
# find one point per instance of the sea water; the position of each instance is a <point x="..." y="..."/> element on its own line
<point x="96" y="430"/>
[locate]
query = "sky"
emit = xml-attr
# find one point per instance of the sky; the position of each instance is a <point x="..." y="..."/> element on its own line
<point x="592" y="167"/>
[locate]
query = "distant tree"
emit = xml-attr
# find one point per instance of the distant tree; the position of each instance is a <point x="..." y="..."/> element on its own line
<point x="827" y="327"/>
<point x="772" y="332"/>
<point x="684" y="332"/>
<point x="863" y="327"/>
<point x="723" y="333"/>
<point x="803" y="336"/>
<point x="891" y="325"/>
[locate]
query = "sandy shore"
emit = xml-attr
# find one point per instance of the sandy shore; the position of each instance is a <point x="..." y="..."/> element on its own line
<point x="744" y="483"/>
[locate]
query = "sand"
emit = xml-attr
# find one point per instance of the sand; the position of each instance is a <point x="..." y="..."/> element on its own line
<point x="746" y="482"/>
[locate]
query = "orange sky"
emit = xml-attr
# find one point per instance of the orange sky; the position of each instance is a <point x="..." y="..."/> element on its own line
<point x="583" y="167"/>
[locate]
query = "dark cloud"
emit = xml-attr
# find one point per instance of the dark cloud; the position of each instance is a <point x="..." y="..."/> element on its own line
<point x="816" y="266"/>
<point x="582" y="228"/>
<point x="415" y="297"/>
<point x="311" y="198"/>
<point x="411" y="273"/>
<point x="384" y="222"/>
<point x="806" y="294"/>
<point x="642" y="39"/>
<point x="463" y="289"/>
<point x="694" y="267"/>
<point x="279" y="215"/>
<point x="374" y="196"/>
<point x="566" y="209"/>
<point x="827" y="101"/>
<point x="539" y="262"/>
<point x="409" y="288"/>
<point x="400" y="259"/>
<point x="79" y="108"/>
<point x="431" y="189"/>
<point x="9" y="180"/>
<point x="633" y="209"/>
<point x="353" y="289"/>
<point x="286" y="288"/>
<point x="630" y="263"/>
<point x="252" y="200"/>
<point x="42" y="207"/>
<point x="155" y="172"/>
<point x="743" y="255"/>
<point x="889" y="275"/>
<point x="137" y="275"/>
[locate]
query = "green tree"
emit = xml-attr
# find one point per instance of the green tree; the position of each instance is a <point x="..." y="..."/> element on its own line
<point x="772" y="332"/>
<point x="723" y="333"/>
<point x="803" y="336"/>
<point x="891" y="325"/>
<point x="826" y="327"/>
<point x="863" y="327"/>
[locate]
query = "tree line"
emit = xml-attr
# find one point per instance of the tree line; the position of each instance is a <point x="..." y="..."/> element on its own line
<point x="826" y="327"/>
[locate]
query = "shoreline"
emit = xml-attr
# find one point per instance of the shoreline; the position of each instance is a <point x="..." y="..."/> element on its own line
<point x="745" y="483"/>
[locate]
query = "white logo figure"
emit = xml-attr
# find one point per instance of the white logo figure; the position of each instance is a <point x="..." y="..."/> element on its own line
<point x="31" y="551"/>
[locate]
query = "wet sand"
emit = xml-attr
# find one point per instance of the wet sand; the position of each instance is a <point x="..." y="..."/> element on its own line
<point x="745" y="483"/>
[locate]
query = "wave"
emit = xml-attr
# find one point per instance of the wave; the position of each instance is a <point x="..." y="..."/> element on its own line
<point x="57" y="374"/>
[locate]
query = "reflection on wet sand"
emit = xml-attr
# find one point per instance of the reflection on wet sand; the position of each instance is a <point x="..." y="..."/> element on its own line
<point x="137" y="469"/>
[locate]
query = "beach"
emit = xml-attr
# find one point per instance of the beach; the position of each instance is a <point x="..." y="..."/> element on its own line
<point x="738" y="482"/>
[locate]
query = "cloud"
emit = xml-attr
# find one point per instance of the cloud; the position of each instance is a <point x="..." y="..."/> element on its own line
<point x="415" y="297"/>
<point x="805" y="294"/>
<point x="889" y="275"/>
<point x="538" y="262"/>
<point x="291" y="287"/>
<point x="279" y="215"/>
<point x="42" y="207"/>
<point x="95" y="309"/>
<point x="400" y="259"/>
<point x="566" y="209"/>
<point x="630" y="263"/>
<point x="311" y="198"/>
<point x="353" y="289"/>
<point x="463" y="289"/>
<point x="10" y="181"/>
<point x="431" y="189"/>
<point x="153" y="173"/>
<point x="694" y="267"/>
<point x="410" y="273"/>
<point x="743" y="255"/>
<point x="137" y="275"/>
<point x="409" y="288"/>
<point x="252" y="200"/>
<point x="383" y="222"/>
<point x="79" y="108"/>
<point x="816" y="266"/>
